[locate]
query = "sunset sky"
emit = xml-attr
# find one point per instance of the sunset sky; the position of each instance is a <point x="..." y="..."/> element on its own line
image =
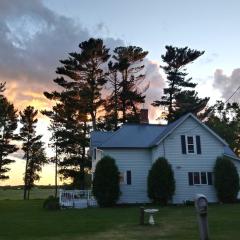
<point x="35" y="34"/>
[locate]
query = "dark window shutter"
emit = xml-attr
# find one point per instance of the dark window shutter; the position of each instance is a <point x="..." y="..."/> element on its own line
<point x="129" y="178"/>
<point x="209" y="175"/>
<point x="183" y="144"/>
<point x="190" y="178"/>
<point x="198" y="142"/>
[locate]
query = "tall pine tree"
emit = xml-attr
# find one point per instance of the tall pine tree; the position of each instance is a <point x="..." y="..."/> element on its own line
<point x="8" y="124"/>
<point x="179" y="96"/>
<point x="85" y="73"/>
<point x="128" y="62"/>
<point x="32" y="147"/>
<point x="70" y="113"/>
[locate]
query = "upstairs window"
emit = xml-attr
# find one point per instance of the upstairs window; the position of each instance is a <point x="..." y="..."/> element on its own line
<point x="191" y="144"/>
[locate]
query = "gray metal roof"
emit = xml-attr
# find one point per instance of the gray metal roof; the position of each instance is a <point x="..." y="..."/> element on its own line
<point x="133" y="136"/>
<point x="230" y="153"/>
<point x="143" y="136"/>
<point x="98" y="137"/>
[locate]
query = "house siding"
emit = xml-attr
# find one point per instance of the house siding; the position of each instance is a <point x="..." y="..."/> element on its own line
<point x="138" y="161"/>
<point x="183" y="163"/>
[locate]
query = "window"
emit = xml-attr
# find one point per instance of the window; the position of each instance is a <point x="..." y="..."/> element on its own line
<point x="125" y="177"/>
<point x="97" y="154"/>
<point x="191" y="144"/>
<point x="200" y="178"/>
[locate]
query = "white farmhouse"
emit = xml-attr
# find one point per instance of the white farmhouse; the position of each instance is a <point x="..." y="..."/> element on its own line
<point x="188" y="145"/>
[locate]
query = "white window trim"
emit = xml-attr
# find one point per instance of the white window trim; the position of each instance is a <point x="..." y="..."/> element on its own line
<point x="124" y="174"/>
<point x="194" y="144"/>
<point x="97" y="154"/>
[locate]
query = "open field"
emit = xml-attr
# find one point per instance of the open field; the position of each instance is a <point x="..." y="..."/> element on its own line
<point x="26" y="220"/>
<point x="17" y="194"/>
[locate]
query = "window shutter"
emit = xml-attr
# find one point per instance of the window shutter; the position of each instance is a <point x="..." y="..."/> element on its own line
<point x="209" y="175"/>
<point x="190" y="178"/>
<point x="129" y="178"/>
<point x="198" y="141"/>
<point x="183" y="141"/>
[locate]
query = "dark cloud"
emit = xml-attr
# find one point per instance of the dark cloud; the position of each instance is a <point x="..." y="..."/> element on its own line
<point x="226" y="84"/>
<point x="34" y="38"/>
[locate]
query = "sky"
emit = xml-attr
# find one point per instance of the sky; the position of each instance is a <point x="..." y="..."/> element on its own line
<point x="36" y="34"/>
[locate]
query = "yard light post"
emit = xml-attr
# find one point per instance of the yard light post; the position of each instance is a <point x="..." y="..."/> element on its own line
<point x="201" y="205"/>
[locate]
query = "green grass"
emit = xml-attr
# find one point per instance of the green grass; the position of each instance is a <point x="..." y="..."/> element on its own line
<point x="17" y="194"/>
<point x="26" y="220"/>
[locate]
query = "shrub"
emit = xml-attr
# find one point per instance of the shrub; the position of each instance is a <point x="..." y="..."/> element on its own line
<point x="106" y="182"/>
<point x="161" y="183"/>
<point x="226" y="180"/>
<point x="51" y="203"/>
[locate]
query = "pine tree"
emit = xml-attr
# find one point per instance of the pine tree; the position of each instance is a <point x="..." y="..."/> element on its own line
<point x="73" y="134"/>
<point x="128" y="62"/>
<point x="86" y="73"/>
<point x="32" y="147"/>
<point x="8" y="124"/>
<point x="177" y="97"/>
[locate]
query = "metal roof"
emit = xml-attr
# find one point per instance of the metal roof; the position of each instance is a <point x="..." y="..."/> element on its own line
<point x="98" y="137"/>
<point x="133" y="136"/>
<point x="145" y="136"/>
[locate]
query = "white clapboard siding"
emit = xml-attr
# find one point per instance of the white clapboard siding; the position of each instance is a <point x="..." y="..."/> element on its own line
<point x="183" y="163"/>
<point x="138" y="161"/>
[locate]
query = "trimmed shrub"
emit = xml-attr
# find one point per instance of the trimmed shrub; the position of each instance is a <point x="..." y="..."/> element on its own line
<point x="161" y="183"/>
<point x="226" y="180"/>
<point x="106" y="187"/>
<point x="51" y="203"/>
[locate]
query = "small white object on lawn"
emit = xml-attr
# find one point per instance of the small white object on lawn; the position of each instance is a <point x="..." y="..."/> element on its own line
<point x="151" y="213"/>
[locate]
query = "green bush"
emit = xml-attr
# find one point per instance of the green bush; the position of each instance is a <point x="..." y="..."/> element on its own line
<point x="161" y="183"/>
<point x="106" y="187"/>
<point x="51" y="203"/>
<point x="226" y="180"/>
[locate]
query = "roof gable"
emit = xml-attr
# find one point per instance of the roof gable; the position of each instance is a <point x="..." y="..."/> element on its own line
<point x="172" y="126"/>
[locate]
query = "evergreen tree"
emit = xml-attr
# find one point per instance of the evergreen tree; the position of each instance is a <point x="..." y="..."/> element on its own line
<point x="177" y="97"/>
<point x="72" y="134"/>
<point x="161" y="183"/>
<point x="106" y="187"/>
<point x="32" y="147"/>
<point x="36" y="161"/>
<point x="128" y="62"/>
<point x="85" y="74"/>
<point x="8" y="124"/>
<point x="226" y="180"/>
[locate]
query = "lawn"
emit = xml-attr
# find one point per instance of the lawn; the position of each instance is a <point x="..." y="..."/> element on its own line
<point x="17" y="194"/>
<point x="26" y="220"/>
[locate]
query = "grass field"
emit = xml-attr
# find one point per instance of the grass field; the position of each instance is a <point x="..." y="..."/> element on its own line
<point x="26" y="220"/>
<point x="17" y="194"/>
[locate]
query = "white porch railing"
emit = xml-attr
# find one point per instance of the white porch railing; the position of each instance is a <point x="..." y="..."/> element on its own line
<point x="76" y="198"/>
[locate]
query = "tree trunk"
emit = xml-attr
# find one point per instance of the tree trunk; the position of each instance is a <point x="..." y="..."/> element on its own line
<point x="25" y="178"/>
<point x="56" y="172"/>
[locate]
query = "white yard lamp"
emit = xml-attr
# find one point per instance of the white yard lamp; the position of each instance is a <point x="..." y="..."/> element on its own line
<point x="151" y="212"/>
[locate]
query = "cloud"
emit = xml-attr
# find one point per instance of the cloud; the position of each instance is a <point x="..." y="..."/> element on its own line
<point x="226" y="84"/>
<point x="33" y="40"/>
